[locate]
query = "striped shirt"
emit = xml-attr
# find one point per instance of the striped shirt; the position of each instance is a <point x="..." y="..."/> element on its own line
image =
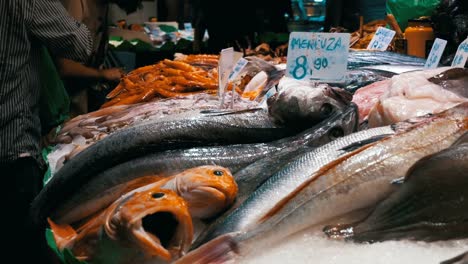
<point x="25" y="25"/>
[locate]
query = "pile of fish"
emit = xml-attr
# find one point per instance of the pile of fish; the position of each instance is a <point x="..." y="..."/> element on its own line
<point x="161" y="183"/>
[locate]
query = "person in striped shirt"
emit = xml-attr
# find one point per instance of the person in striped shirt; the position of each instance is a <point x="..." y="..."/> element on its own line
<point x="26" y="25"/>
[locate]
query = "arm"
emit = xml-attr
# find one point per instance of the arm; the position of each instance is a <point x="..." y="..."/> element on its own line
<point x="64" y="37"/>
<point x="72" y="69"/>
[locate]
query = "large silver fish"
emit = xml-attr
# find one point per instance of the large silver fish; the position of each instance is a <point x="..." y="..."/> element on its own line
<point x="431" y="204"/>
<point x="96" y="194"/>
<point x="307" y="195"/>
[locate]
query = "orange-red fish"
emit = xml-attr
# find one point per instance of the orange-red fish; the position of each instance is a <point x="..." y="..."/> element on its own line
<point x="150" y="224"/>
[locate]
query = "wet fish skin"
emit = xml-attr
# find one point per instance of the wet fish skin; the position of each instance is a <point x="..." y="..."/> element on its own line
<point x="284" y="182"/>
<point x="357" y="59"/>
<point x="187" y="129"/>
<point x="233" y="157"/>
<point x="431" y="204"/>
<point x="347" y="183"/>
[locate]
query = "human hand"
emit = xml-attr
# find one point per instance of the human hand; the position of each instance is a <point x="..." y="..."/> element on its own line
<point x="113" y="74"/>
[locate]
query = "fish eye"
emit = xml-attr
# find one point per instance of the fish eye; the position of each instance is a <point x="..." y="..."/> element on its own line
<point x="336" y="132"/>
<point x="218" y="173"/>
<point x="157" y="195"/>
<point x="326" y="109"/>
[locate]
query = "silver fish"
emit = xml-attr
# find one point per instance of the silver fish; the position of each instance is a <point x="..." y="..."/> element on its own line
<point x="305" y="198"/>
<point x="95" y="194"/>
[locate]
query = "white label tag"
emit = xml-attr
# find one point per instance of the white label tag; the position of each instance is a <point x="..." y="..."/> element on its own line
<point x="318" y="56"/>
<point x="462" y="55"/>
<point x="238" y="68"/>
<point x="225" y="65"/>
<point x="436" y="53"/>
<point x="382" y="38"/>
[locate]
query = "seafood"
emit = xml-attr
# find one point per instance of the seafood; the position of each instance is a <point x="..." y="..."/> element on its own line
<point x="204" y="61"/>
<point x="153" y="224"/>
<point x="208" y="191"/>
<point x="344" y="182"/>
<point x="461" y="259"/>
<point x="185" y="130"/>
<point x="362" y="58"/>
<point x="84" y="200"/>
<point x="298" y="103"/>
<point x="418" y="93"/>
<point x="368" y="96"/>
<point x="164" y="79"/>
<point x="431" y="204"/>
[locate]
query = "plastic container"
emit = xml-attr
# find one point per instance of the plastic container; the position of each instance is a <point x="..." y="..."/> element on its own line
<point x="418" y="34"/>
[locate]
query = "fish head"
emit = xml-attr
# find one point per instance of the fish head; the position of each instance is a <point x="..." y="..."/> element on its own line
<point x="208" y="190"/>
<point x="341" y="124"/>
<point x="156" y="221"/>
<point x="302" y="104"/>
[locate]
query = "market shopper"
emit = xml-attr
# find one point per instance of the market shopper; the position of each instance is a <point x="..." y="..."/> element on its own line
<point x="26" y="25"/>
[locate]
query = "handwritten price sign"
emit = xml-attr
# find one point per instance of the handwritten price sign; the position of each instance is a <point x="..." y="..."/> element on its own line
<point x="318" y="56"/>
<point x="436" y="53"/>
<point x="462" y="55"/>
<point x="382" y="38"/>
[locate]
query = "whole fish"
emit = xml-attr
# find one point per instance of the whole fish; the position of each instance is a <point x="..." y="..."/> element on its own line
<point x="461" y="259"/>
<point x="299" y="103"/>
<point x="356" y="79"/>
<point x="431" y="204"/>
<point x="309" y="194"/>
<point x="187" y="129"/>
<point x="103" y="188"/>
<point x="208" y="191"/>
<point x="152" y="224"/>
<point x="357" y="59"/>
<point x="285" y="181"/>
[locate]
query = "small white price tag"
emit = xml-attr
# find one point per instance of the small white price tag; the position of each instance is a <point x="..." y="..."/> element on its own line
<point x="318" y="56"/>
<point x="462" y="55"/>
<point x="225" y="65"/>
<point x="436" y="53"/>
<point x="382" y="38"/>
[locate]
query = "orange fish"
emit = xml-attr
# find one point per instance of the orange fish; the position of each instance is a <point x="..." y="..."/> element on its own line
<point x="150" y="224"/>
<point x="208" y="190"/>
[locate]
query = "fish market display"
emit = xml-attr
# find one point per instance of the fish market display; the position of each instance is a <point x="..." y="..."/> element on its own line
<point x="233" y="157"/>
<point x="362" y="58"/>
<point x="419" y="93"/>
<point x="431" y="204"/>
<point x="193" y="128"/>
<point x="204" y="61"/>
<point x="164" y="79"/>
<point x="84" y="130"/>
<point x="462" y="259"/>
<point x="353" y="177"/>
<point x="152" y="224"/>
<point x="360" y="39"/>
<point x="208" y="191"/>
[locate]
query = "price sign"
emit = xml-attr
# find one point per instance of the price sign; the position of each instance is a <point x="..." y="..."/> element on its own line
<point x="436" y="53"/>
<point x="318" y="56"/>
<point x="462" y="55"/>
<point x="238" y="68"/>
<point x="382" y="38"/>
<point x="225" y="65"/>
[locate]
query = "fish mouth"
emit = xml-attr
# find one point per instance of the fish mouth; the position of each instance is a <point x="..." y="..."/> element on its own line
<point x="162" y="234"/>
<point x="207" y="201"/>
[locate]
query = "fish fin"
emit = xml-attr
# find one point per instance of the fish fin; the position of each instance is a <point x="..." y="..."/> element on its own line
<point x="222" y="249"/>
<point x="62" y="233"/>
<point x="215" y="112"/>
<point x="365" y="142"/>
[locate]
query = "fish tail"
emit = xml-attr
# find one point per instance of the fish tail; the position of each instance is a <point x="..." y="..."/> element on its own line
<point x="223" y="249"/>
<point x="62" y="233"/>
